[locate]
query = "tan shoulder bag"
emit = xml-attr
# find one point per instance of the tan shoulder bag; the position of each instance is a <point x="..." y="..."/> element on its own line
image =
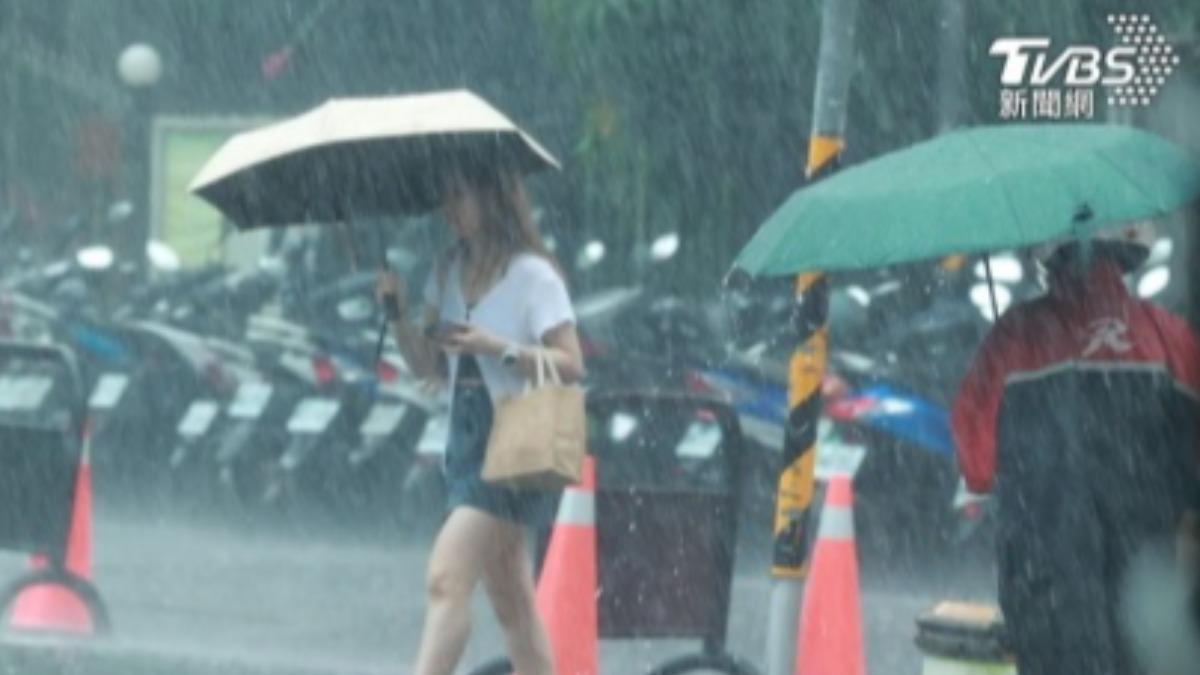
<point x="538" y="436"/>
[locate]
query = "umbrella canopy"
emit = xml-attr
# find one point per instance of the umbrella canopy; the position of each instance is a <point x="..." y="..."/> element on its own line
<point x="361" y="157"/>
<point x="974" y="190"/>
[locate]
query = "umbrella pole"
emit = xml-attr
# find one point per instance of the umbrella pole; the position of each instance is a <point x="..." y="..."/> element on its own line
<point x="987" y="270"/>
<point x="347" y="239"/>
<point x="382" y="335"/>
<point x="389" y="301"/>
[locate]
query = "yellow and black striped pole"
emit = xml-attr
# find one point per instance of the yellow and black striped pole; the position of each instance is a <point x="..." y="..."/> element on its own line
<point x="794" y="492"/>
<point x="796" y="487"/>
<point x="806" y="372"/>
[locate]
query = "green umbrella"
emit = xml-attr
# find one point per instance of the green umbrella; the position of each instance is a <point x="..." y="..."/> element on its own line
<point x="974" y="190"/>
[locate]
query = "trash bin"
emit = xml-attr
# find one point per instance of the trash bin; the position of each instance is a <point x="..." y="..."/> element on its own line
<point x="667" y="469"/>
<point x="667" y="478"/>
<point x="39" y="447"/>
<point x="42" y="418"/>
<point x="959" y="638"/>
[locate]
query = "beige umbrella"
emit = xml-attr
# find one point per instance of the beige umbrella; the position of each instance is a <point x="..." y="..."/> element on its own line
<point x="360" y="157"/>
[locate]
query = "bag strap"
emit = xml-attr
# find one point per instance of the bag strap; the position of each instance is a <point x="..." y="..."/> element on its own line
<point x="545" y="365"/>
<point x="555" y="378"/>
<point x="540" y="358"/>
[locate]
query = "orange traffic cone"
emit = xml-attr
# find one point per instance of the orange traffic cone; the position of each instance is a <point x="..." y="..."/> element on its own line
<point x="47" y="607"/>
<point x="830" y="640"/>
<point x="566" y="592"/>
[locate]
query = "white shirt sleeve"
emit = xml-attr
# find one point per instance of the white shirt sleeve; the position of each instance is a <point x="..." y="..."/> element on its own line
<point x="549" y="304"/>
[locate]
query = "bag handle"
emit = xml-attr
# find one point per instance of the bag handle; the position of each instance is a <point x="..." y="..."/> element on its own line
<point x="545" y="365"/>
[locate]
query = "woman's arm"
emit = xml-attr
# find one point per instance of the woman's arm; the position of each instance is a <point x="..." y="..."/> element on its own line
<point x="561" y="345"/>
<point x="549" y="316"/>
<point x="422" y="354"/>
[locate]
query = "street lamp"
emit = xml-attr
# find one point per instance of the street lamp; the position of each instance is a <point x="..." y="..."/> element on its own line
<point x="139" y="67"/>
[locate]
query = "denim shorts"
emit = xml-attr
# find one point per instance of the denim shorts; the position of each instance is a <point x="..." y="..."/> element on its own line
<point x="470" y="424"/>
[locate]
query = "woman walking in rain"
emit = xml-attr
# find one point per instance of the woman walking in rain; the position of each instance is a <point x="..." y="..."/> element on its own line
<point x="493" y="299"/>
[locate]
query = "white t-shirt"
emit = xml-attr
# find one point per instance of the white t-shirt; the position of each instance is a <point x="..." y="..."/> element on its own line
<point x="524" y="304"/>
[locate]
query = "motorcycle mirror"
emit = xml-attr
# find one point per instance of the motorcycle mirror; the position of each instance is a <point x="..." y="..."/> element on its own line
<point x="886" y="288"/>
<point x="1161" y="251"/>
<point x="56" y="269"/>
<point x="95" y="257"/>
<point x="272" y="264"/>
<point x="400" y="259"/>
<point x="162" y="256"/>
<point x="120" y="211"/>
<point x="665" y="247"/>
<point x="859" y="295"/>
<point x="853" y="361"/>
<point x="355" y="310"/>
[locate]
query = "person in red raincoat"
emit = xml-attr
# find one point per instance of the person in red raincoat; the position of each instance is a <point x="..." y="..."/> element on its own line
<point x="1079" y="413"/>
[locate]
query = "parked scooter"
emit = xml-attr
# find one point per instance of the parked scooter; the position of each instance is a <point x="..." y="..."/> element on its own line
<point x="895" y="358"/>
<point x="328" y="395"/>
<point x="140" y="376"/>
<point x="397" y="463"/>
<point x="195" y="439"/>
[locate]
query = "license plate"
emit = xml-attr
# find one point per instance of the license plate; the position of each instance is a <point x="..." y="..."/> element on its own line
<point x="835" y="458"/>
<point x="383" y="419"/>
<point x="109" y="389"/>
<point x="198" y="418"/>
<point x="963" y="496"/>
<point x="313" y="415"/>
<point x="435" y="436"/>
<point x="250" y="401"/>
<point x="24" y="392"/>
<point x="700" y="441"/>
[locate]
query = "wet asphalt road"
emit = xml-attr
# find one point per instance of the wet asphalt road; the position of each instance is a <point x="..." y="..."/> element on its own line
<point x="222" y="600"/>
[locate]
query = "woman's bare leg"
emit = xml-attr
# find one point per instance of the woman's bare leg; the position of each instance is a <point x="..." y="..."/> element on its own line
<point x="466" y="543"/>
<point x="508" y="579"/>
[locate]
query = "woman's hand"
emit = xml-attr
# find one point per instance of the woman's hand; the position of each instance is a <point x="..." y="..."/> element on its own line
<point x="472" y="340"/>
<point x="390" y="288"/>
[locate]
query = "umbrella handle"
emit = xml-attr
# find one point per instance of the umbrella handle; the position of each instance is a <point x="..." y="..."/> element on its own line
<point x="390" y="313"/>
<point x="379" y="341"/>
<point x="987" y="269"/>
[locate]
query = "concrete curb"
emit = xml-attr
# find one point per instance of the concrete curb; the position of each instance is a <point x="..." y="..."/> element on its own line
<point x="22" y="655"/>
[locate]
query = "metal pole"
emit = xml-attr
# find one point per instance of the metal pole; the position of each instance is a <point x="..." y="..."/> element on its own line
<point x="952" y="64"/>
<point x="794" y="493"/>
<point x="12" y="92"/>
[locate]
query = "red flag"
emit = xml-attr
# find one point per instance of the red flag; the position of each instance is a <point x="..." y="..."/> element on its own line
<point x="276" y="62"/>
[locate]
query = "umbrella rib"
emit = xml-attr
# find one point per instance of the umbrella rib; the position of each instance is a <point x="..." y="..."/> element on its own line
<point x="1128" y="177"/>
<point x="1012" y="209"/>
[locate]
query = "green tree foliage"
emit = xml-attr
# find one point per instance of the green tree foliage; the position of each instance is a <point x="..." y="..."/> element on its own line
<point x="682" y="104"/>
<point x="694" y="115"/>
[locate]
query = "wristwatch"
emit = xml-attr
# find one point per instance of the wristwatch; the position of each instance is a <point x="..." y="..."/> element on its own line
<point x="509" y="356"/>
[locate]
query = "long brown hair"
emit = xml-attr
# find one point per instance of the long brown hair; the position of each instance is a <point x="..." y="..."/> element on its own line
<point x="506" y="218"/>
